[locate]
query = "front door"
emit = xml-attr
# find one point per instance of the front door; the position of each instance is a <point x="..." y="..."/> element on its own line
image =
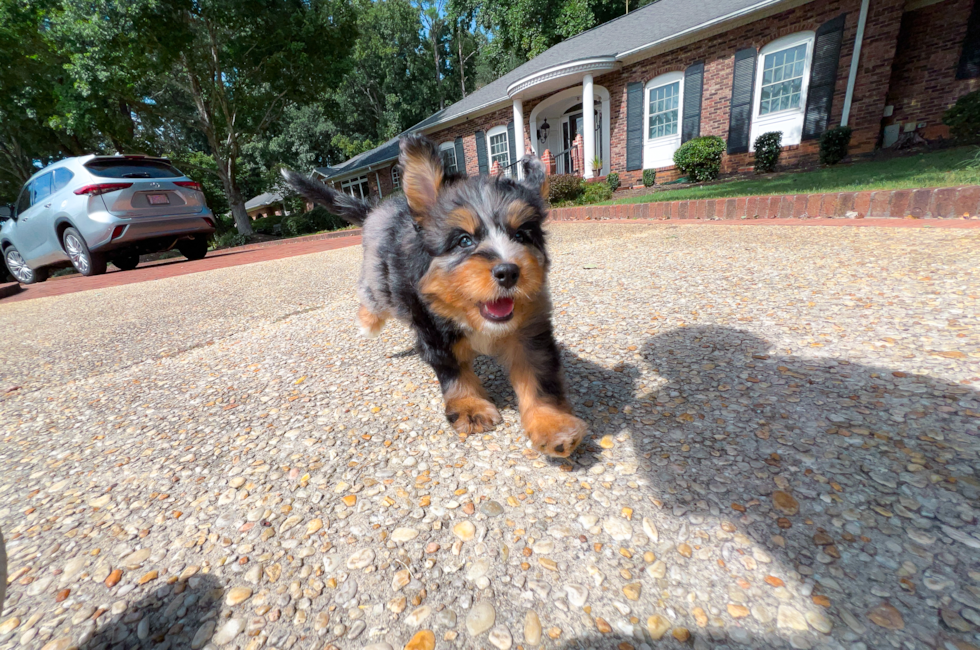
<point x="571" y="127"/>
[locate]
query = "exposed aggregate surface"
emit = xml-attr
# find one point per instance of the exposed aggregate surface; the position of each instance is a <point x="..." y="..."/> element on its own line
<point x="785" y="431"/>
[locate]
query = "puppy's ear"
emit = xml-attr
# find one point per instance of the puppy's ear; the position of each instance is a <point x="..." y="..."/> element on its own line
<point x="535" y="175"/>
<point x="421" y="175"/>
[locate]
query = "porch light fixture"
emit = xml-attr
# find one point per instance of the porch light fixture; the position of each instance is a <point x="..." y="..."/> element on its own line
<point x="543" y="132"/>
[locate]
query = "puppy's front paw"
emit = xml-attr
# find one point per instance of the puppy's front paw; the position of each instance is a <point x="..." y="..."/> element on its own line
<point x="472" y="415"/>
<point x="553" y="432"/>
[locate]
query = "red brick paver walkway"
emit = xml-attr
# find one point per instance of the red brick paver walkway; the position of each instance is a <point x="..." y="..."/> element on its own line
<point x="180" y="266"/>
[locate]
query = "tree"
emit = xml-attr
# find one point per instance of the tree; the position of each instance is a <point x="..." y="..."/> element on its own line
<point x="225" y="68"/>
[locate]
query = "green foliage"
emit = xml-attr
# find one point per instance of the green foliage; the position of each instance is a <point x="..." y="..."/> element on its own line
<point x="613" y="181"/>
<point x="564" y="187"/>
<point x="963" y="118"/>
<point x="700" y="158"/>
<point x="833" y="144"/>
<point x="596" y="192"/>
<point x="649" y="177"/>
<point x="768" y="146"/>
<point x="231" y="239"/>
<point x="267" y="225"/>
<point x="321" y="220"/>
<point x="295" y="225"/>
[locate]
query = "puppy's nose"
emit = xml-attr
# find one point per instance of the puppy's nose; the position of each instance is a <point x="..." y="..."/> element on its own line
<point x="506" y="274"/>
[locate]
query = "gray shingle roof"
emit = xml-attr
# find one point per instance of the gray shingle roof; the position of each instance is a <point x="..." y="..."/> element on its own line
<point x="655" y="23"/>
<point x="262" y="200"/>
<point x="382" y="153"/>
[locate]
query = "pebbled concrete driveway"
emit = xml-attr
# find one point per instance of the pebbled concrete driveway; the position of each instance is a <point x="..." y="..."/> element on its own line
<point x="786" y="426"/>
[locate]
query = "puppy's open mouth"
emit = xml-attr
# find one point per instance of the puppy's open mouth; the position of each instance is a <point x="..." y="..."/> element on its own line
<point x="499" y="310"/>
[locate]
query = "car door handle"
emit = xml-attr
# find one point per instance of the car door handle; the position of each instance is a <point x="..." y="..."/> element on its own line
<point x="47" y="205"/>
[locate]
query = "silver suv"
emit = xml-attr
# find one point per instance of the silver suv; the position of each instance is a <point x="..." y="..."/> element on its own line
<point x="91" y="210"/>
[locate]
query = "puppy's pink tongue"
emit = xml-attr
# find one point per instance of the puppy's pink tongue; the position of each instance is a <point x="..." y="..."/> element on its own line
<point x="501" y="308"/>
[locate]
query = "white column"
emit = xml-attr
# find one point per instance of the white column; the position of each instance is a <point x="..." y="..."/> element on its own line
<point x="518" y="134"/>
<point x="588" y="125"/>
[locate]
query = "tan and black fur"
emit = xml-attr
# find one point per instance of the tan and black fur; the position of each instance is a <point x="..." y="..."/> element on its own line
<point x="436" y="257"/>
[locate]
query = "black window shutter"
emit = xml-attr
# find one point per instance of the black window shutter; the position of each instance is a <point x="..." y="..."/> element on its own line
<point x="634" y="126"/>
<point x="460" y="156"/>
<point x="743" y="87"/>
<point x="481" y="153"/>
<point x="510" y="142"/>
<point x="693" y="82"/>
<point x="823" y="77"/>
<point x="969" y="66"/>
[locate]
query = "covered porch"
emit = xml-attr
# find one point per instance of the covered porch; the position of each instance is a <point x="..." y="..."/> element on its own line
<point x="569" y="127"/>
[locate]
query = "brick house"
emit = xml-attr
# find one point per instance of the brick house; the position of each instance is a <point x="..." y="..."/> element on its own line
<point x="677" y="69"/>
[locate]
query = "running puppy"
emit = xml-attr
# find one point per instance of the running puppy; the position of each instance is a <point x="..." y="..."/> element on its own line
<point x="462" y="261"/>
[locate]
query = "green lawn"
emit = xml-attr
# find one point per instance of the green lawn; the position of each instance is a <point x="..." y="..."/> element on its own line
<point x="936" y="169"/>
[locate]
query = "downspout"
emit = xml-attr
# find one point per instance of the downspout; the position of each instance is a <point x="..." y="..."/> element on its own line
<point x="855" y="62"/>
<point x="378" y="179"/>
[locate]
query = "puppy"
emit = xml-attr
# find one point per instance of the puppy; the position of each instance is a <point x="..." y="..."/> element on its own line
<point x="463" y="262"/>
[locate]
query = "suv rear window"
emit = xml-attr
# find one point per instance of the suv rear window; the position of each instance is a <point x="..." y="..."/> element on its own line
<point x="124" y="168"/>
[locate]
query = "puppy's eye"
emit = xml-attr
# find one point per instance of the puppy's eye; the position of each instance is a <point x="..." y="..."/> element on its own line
<point x="520" y="237"/>
<point x="465" y="242"/>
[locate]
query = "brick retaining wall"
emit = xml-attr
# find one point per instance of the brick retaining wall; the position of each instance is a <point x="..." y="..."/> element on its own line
<point x="927" y="203"/>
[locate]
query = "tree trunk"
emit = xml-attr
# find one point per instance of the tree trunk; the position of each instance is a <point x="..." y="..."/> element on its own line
<point x="435" y="55"/>
<point x="462" y="61"/>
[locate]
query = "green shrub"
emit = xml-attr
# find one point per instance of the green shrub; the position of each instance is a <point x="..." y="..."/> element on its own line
<point x="564" y="187"/>
<point x="613" y="181"/>
<point x="230" y="239"/>
<point x="267" y="225"/>
<point x="595" y="193"/>
<point x="768" y="146"/>
<point x="649" y="177"/>
<point x="963" y="118"/>
<point x="320" y="220"/>
<point x="833" y="144"/>
<point x="700" y="158"/>
<point x="296" y="225"/>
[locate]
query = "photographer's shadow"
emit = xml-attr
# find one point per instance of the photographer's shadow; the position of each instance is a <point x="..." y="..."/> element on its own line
<point x="719" y="422"/>
<point x="180" y="616"/>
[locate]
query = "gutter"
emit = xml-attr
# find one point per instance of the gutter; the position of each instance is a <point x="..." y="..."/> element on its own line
<point x="855" y="62"/>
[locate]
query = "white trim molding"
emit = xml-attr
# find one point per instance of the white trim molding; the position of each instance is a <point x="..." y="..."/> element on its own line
<point x="789" y="122"/>
<point x="572" y="69"/>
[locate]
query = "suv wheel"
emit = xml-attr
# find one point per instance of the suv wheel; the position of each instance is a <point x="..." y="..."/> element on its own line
<point x="126" y="262"/>
<point x="85" y="261"/>
<point x="193" y="249"/>
<point x="19" y="269"/>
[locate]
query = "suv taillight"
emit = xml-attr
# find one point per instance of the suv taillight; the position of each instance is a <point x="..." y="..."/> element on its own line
<point x="102" y="188"/>
<point x="191" y="184"/>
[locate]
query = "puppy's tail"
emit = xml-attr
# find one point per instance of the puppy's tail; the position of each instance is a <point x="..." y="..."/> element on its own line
<point x="350" y="209"/>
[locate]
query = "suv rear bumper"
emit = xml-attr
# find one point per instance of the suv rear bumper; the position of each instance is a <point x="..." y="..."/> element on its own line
<point x="154" y="228"/>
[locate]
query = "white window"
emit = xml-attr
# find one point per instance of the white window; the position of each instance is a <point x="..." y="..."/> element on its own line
<point x="448" y="152"/>
<point x="499" y="148"/>
<point x="662" y="112"/>
<point x="356" y="187"/>
<point x="396" y="178"/>
<point x="782" y="75"/>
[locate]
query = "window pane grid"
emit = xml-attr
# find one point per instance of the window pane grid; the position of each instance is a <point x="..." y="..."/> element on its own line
<point x="664" y="104"/>
<point x="449" y="159"/>
<point x="782" y="80"/>
<point x="500" y="151"/>
<point x="396" y="178"/>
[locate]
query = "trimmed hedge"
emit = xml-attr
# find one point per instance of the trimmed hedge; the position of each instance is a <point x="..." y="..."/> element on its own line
<point x="613" y="180"/>
<point x="963" y="118"/>
<point x="700" y="158"/>
<point x="564" y="187"/>
<point x="595" y="193"/>
<point x="649" y="177"/>
<point x="833" y="144"/>
<point x="768" y="146"/>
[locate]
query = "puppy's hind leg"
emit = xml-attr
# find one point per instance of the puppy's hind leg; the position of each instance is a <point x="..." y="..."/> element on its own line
<point x="369" y="323"/>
